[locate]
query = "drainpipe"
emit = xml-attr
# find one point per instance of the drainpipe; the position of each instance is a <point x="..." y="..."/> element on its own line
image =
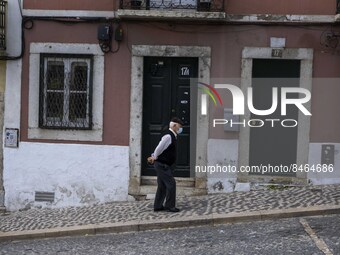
<point x="2" y="112"/>
<point x="3" y="22"/>
<point x="2" y="191"/>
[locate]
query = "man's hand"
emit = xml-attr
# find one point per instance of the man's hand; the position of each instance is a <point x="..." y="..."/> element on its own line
<point x="150" y="160"/>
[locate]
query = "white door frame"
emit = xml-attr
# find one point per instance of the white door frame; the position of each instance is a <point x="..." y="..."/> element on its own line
<point x="306" y="57"/>
<point x="136" y="107"/>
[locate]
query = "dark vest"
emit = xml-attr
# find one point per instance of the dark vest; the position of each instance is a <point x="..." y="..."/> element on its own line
<point x="168" y="156"/>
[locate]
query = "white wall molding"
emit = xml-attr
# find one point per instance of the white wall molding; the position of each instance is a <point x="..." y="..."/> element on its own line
<point x="201" y="125"/>
<point x="14" y="68"/>
<point x="306" y="57"/>
<point x="187" y="15"/>
<point x="68" y="13"/>
<point x="34" y="132"/>
<point x="280" y="18"/>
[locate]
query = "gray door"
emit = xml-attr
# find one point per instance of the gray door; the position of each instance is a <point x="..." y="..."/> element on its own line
<point x="273" y="145"/>
<point x="166" y="95"/>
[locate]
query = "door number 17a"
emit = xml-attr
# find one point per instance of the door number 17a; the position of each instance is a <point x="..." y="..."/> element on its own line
<point x="185" y="71"/>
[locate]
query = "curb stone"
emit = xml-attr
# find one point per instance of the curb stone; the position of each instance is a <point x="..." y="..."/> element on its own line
<point x="138" y="225"/>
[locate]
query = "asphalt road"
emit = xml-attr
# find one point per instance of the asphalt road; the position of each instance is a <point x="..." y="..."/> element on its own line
<point x="307" y="235"/>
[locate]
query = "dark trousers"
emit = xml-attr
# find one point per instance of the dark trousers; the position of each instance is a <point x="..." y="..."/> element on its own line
<point x="166" y="189"/>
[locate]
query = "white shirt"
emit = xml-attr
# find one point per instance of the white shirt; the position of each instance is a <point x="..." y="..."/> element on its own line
<point x="163" y="144"/>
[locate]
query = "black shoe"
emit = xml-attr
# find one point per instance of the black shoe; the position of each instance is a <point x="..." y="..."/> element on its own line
<point x="174" y="209"/>
<point x="159" y="209"/>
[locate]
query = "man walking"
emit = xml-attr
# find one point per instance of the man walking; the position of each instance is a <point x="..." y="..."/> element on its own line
<point x="163" y="157"/>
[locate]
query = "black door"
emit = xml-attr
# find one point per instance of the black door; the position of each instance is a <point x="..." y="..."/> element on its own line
<point x="166" y="95"/>
<point x="274" y="145"/>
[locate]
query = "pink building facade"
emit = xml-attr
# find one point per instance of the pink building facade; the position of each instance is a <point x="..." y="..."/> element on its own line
<point x="89" y="109"/>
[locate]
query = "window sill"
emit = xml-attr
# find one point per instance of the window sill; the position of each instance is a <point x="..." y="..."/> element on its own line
<point x="94" y="135"/>
<point x="171" y="14"/>
<point x="34" y="132"/>
<point x="337" y="18"/>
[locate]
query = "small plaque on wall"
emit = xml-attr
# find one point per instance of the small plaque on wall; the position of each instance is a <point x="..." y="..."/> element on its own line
<point x="327" y="154"/>
<point x="12" y="137"/>
<point x="277" y="53"/>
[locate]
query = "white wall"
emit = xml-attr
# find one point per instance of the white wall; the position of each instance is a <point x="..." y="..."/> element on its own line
<point x="322" y="178"/>
<point x="78" y="174"/>
<point x="223" y="153"/>
<point x="13" y="35"/>
<point x="13" y="70"/>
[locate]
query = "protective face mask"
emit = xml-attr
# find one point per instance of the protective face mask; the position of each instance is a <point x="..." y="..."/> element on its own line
<point x="180" y="130"/>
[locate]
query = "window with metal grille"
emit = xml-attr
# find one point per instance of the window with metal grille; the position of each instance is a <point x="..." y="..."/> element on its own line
<point x="65" y="91"/>
<point x="3" y="25"/>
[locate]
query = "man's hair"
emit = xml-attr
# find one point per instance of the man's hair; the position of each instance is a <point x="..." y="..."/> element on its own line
<point x="177" y="120"/>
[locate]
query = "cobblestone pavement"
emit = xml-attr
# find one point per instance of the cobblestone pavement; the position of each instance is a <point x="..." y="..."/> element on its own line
<point x="293" y="197"/>
<point x="285" y="236"/>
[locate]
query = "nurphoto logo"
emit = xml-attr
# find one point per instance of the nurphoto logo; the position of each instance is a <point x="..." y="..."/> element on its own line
<point x="239" y="104"/>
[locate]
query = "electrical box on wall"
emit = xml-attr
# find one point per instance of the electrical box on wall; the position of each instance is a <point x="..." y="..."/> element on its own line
<point x="228" y="115"/>
<point x="104" y="32"/>
<point x="119" y="33"/>
<point x="327" y="154"/>
<point x="12" y="137"/>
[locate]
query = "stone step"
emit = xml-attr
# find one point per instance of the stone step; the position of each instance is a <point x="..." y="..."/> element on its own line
<point x="180" y="181"/>
<point x="180" y="191"/>
<point x="2" y="209"/>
